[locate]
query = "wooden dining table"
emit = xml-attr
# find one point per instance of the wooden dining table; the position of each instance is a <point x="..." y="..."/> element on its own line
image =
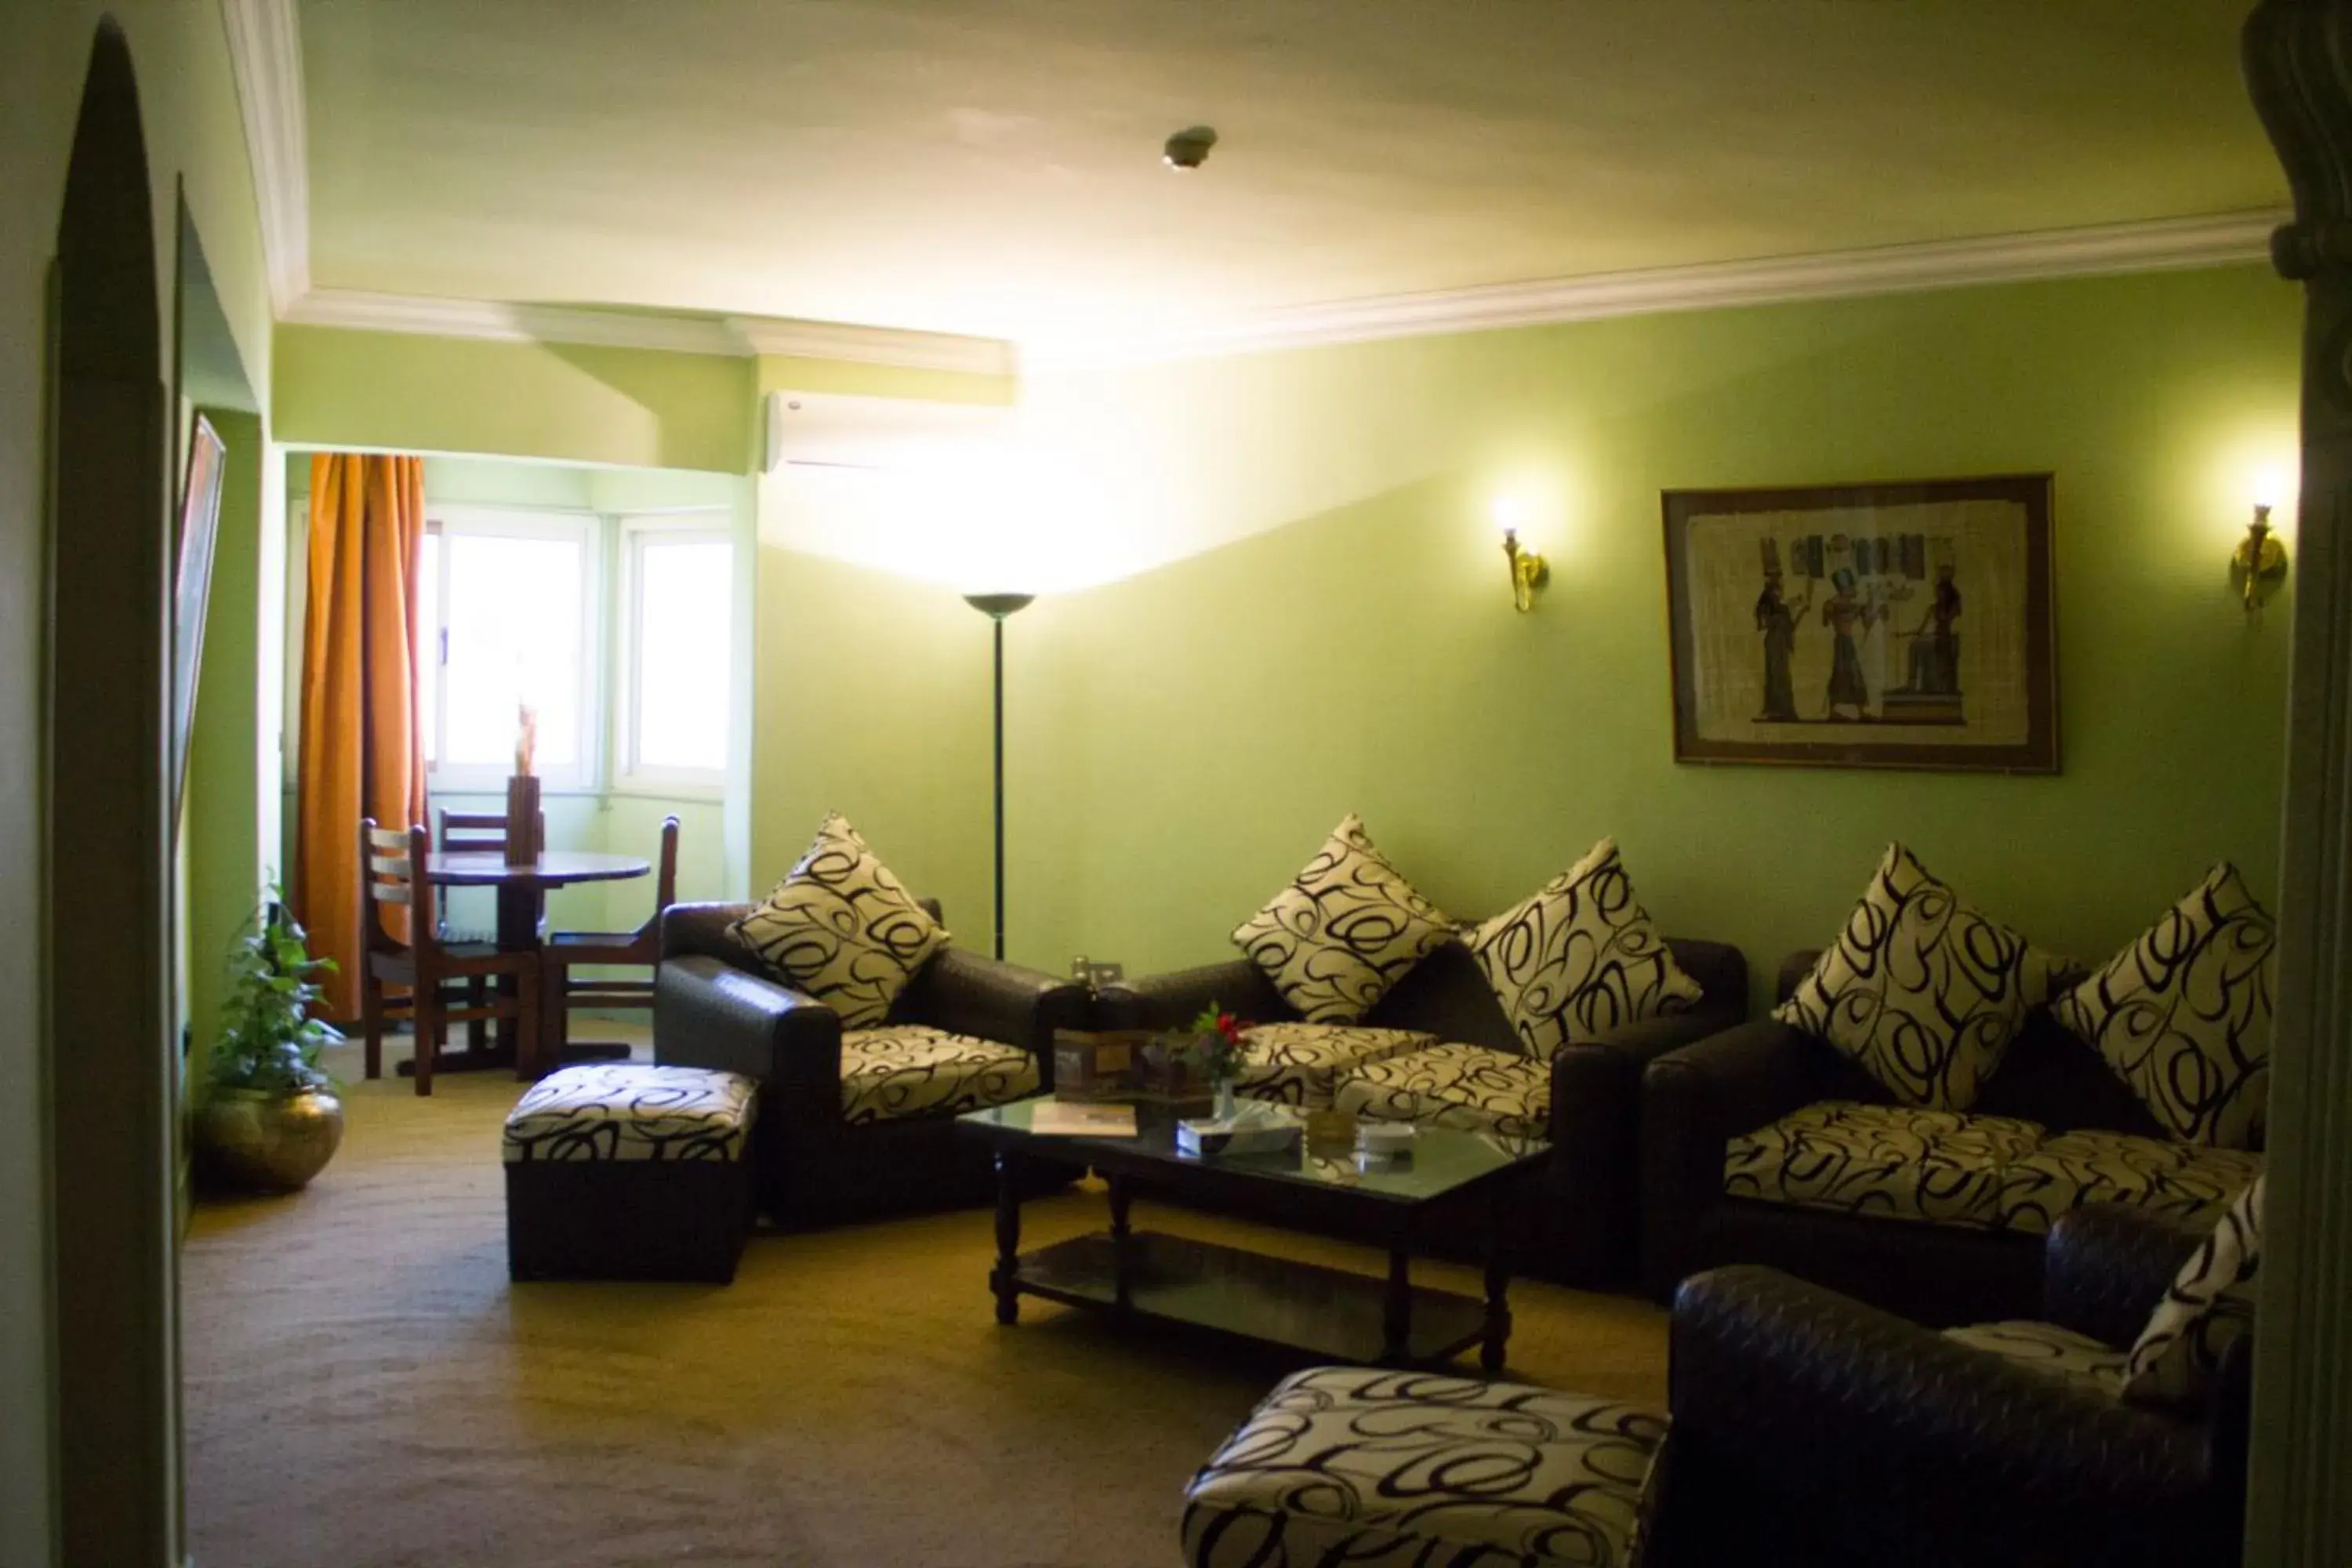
<point x="522" y="904"/>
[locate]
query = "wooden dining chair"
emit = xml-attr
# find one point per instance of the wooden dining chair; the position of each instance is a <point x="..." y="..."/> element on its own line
<point x="478" y="832"/>
<point x="567" y="949"/>
<point x="392" y="871"/>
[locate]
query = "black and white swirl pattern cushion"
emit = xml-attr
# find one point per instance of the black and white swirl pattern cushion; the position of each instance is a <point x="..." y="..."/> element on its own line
<point x="1394" y="1469"/>
<point x="1924" y="993"/>
<point x="1467" y="1086"/>
<point x="1303" y="1064"/>
<point x="842" y="928"/>
<point x="628" y="1110"/>
<point x="2183" y="1015"/>
<point x="2091" y="1165"/>
<point x="1891" y="1162"/>
<point x="1346" y="929"/>
<point x="1578" y="957"/>
<point x="2209" y="1305"/>
<point x="913" y="1069"/>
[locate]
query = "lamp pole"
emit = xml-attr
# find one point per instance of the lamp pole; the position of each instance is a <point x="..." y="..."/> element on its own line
<point x="996" y="607"/>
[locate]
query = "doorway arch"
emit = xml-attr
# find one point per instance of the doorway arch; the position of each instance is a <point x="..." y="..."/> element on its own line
<point x="106" y="883"/>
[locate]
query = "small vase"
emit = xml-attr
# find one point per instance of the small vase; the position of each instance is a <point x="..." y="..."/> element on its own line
<point x="1224" y="1109"/>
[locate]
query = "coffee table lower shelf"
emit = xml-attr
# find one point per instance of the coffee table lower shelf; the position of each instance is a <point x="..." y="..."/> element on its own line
<point x="1274" y="1300"/>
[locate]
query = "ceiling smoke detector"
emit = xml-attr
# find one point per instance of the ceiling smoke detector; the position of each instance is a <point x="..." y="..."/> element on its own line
<point x="1189" y="149"/>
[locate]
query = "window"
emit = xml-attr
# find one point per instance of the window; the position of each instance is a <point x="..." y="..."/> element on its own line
<point x="507" y="606"/>
<point x="678" y="648"/>
<point x="619" y="630"/>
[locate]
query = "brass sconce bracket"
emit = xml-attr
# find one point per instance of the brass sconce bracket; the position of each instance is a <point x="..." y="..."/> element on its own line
<point x="1530" y="571"/>
<point x="2258" y="565"/>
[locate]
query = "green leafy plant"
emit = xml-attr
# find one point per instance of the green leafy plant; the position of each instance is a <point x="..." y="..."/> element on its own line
<point x="269" y="1042"/>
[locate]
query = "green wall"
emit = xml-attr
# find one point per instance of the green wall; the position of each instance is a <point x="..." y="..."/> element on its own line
<point x="871" y="697"/>
<point x="227" y="858"/>
<point x="1298" y="610"/>
<point x="870" y="690"/>
<point x="387" y="391"/>
<point x="1182" y="739"/>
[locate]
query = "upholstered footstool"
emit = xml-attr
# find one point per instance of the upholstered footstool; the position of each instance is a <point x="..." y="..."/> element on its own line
<point x="1399" y="1469"/>
<point x="620" y="1171"/>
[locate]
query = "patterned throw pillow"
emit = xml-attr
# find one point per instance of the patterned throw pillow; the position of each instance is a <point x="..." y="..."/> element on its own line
<point x="1578" y="957"/>
<point x="2183" y="1015"/>
<point x="1344" y="930"/>
<point x="2209" y="1304"/>
<point x="1920" y="990"/>
<point x="840" y="927"/>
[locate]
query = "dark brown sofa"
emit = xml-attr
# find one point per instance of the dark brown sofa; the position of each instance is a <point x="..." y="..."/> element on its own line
<point x="1577" y="1225"/>
<point x="716" y="1006"/>
<point x="1809" y="1427"/>
<point x="1696" y="1100"/>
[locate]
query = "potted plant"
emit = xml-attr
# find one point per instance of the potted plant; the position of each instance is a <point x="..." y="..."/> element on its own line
<point x="1217" y="1052"/>
<point x="269" y="1120"/>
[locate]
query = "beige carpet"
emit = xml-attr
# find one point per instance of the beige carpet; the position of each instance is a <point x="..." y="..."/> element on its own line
<point x="364" y="1388"/>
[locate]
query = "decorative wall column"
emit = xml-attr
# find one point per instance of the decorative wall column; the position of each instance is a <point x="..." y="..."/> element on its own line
<point x="2298" y="65"/>
<point x="108" y="879"/>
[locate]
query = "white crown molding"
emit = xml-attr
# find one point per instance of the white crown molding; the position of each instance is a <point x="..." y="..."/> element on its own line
<point x="264" y="51"/>
<point x="2163" y="244"/>
<point x="491" y="321"/>
<point x="735" y="336"/>
<point x="2172" y="244"/>
<point x="878" y="345"/>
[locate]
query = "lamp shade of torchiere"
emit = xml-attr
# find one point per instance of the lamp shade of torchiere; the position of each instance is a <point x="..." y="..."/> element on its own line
<point x="996" y="607"/>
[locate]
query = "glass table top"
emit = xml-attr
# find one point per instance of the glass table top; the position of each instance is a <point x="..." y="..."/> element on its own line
<point x="1439" y="1160"/>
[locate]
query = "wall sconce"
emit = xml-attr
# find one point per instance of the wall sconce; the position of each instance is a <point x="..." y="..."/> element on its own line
<point x="1530" y="571"/>
<point x="2258" y="563"/>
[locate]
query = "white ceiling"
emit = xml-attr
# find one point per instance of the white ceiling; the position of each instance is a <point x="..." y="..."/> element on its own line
<point x="991" y="166"/>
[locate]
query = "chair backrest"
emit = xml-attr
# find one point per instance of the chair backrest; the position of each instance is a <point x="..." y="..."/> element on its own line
<point x="392" y="861"/>
<point x="665" y="877"/>
<point x="480" y="830"/>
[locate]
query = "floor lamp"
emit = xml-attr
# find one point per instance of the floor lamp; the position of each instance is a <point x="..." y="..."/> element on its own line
<point x="996" y="607"/>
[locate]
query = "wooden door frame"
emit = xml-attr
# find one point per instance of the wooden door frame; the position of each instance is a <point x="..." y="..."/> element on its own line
<point x="2297" y="57"/>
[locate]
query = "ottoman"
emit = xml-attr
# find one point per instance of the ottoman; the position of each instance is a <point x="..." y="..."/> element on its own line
<point x="619" y="1171"/>
<point x="1401" y="1469"/>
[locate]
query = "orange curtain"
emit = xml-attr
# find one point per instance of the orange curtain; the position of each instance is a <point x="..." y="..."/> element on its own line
<point x="361" y="753"/>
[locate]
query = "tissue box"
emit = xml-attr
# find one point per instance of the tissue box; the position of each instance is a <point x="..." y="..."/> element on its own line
<point x="1254" y="1129"/>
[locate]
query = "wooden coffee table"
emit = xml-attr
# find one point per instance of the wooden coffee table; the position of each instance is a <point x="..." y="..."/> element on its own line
<point x="1452" y="1179"/>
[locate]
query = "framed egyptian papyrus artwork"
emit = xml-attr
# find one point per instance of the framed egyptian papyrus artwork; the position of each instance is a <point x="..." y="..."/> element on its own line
<point x="1875" y="626"/>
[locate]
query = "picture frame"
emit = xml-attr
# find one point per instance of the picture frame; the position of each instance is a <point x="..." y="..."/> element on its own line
<point x="1899" y="625"/>
<point x="199" y="531"/>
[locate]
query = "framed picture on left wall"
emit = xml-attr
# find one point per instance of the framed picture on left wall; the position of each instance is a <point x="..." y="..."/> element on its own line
<point x="200" y="499"/>
<point x="1908" y="625"/>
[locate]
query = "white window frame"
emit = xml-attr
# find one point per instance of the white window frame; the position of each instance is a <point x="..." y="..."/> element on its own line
<point x="701" y="526"/>
<point x="585" y="529"/>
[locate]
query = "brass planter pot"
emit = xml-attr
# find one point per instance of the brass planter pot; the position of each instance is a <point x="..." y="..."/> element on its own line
<point x="252" y="1142"/>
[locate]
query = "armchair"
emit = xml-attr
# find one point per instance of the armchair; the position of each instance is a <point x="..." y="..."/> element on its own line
<point x="831" y="1149"/>
<point x="1810" y="1427"/>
